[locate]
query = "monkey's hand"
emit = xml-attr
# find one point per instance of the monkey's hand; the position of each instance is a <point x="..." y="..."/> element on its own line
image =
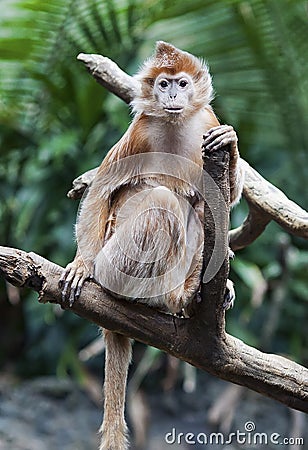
<point x="218" y="137"/>
<point x="73" y="278"/>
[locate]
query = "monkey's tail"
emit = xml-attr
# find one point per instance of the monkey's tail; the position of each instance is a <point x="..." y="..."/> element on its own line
<point x="118" y="355"/>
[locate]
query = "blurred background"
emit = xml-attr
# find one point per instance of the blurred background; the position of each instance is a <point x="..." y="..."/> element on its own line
<point x="56" y="122"/>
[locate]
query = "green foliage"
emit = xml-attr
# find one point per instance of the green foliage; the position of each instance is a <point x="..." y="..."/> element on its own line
<point x="56" y="122"/>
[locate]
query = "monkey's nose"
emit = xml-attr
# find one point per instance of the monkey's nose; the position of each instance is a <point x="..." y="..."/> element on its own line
<point x="172" y="92"/>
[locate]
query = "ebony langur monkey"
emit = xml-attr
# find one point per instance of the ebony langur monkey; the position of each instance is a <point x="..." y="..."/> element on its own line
<point x="140" y="227"/>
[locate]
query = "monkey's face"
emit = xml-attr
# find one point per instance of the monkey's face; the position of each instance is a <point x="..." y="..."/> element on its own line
<point x="173" y="95"/>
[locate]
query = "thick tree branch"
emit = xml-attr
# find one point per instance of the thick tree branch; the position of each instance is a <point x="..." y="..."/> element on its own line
<point x="211" y="312"/>
<point x="188" y="339"/>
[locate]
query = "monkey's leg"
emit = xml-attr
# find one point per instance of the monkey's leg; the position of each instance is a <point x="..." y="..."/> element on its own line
<point x="114" y="428"/>
<point x="146" y="241"/>
<point x="194" y="281"/>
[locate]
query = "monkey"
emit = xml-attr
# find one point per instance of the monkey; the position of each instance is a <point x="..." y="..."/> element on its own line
<point x="140" y="226"/>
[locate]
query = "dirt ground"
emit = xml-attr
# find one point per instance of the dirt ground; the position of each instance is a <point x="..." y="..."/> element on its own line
<point x="52" y="414"/>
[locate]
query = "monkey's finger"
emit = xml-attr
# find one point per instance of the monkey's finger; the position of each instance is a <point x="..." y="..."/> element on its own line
<point x="76" y="286"/>
<point x="222" y="140"/>
<point x="229" y="295"/>
<point x="72" y="298"/>
<point x="216" y="131"/>
<point x="221" y="128"/>
<point x="63" y="277"/>
<point x="67" y="279"/>
<point x="231" y="253"/>
<point x="221" y="131"/>
<point x="69" y="269"/>
<point x="65" y="290"/>
<point x="79" y="285"/>
<point x="75" y="292"/>
<point x="211" y="139"/>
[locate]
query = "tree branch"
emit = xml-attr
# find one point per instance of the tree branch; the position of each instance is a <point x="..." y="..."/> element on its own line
<point x="211" y="311"/>
<point x="266" y="202"/>
<point x="191" y="340"/>
<point x="107" y="73"/>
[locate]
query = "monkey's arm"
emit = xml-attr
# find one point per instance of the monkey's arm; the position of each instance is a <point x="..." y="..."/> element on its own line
<point x="218" y="137"/>
<point x="90" y="230"/>
<point x="95" y="211"/>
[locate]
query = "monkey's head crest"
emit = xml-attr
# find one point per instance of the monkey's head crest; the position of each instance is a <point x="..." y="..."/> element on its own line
<point x="170" y="60"/>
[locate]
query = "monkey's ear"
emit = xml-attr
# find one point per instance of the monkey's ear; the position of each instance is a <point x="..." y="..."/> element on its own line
<point x="149" y="81"/>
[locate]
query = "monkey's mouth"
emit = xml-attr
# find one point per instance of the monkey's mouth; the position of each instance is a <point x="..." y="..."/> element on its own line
<point x="174" y="110"/>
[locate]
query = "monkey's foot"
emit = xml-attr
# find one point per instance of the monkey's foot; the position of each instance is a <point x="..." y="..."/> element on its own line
<point x="73" y="278"/>
<point x="177" y="300"/>
<point x="218" y="137"/>
<point x="229" y="296"/>
<point x="231" y="253"/>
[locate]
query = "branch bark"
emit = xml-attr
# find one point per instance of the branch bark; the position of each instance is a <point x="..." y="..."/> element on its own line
<point x="192" y="340"/>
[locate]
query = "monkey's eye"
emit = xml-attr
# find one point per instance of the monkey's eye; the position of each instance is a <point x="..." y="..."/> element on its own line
<point x="183" y="83"/>
<point x="163" y="84"/>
